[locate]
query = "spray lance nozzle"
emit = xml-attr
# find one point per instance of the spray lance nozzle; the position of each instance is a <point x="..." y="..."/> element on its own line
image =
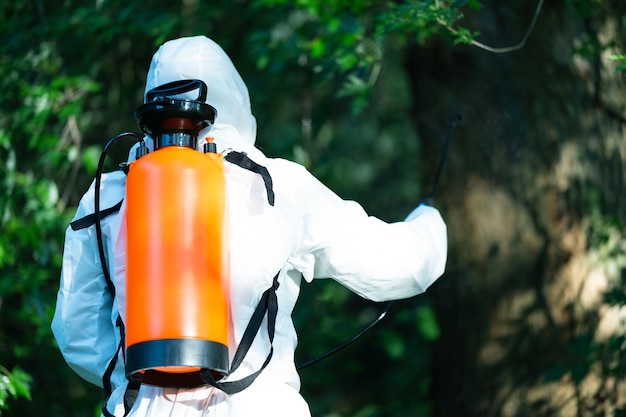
<point x="173" y="120"/>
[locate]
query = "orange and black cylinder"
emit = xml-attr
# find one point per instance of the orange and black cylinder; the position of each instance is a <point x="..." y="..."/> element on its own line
<point x="176" y="267"/>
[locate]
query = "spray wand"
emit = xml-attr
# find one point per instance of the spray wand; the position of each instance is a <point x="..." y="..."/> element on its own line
<point x="454" y="122"/>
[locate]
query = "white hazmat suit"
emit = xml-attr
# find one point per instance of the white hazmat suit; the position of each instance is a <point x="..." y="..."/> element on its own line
<point x="309" y="232"/>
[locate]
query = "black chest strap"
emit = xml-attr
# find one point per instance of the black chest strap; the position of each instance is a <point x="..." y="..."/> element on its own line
<point x="240" y="159"/>
<point x="90" y="219"/>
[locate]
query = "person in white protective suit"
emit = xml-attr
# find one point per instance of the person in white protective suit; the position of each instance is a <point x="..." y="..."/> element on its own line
<point x="308" y="233"/>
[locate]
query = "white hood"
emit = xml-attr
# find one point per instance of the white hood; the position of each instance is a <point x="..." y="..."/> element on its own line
<point x="201" y="58"/>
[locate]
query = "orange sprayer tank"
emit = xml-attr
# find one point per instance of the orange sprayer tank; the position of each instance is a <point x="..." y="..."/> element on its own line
<point x="176" y="278"/>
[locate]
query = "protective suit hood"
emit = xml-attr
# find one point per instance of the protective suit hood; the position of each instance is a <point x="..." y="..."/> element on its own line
<point x="201" y="58"/>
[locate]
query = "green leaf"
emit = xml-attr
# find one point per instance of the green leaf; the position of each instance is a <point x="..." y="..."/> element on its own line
<point x="427" y="323"/>
<point x="21" y="382"/>
<point x="13" y="384"/>
<point x="621" y="59"/>
<point x="317" y="47"/>
<point x="394" y="344"/>
<point x="91" y="156"/>
<point x="555" y="372"/>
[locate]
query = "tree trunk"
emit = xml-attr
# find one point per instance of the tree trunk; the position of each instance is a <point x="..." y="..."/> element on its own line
<point x="531" y="193"/>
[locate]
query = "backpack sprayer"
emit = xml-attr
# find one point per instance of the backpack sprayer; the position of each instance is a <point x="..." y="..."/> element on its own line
<point x="176" y="332"/>
<point x="177" y="305"/>
<point x="176" y="260"/>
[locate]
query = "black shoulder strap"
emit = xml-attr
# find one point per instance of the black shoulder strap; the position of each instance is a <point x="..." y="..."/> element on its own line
<point x="242" y="160"/>
<point x="134" y="383"/>
<point x="107" y="387"/>
<point x="268" y="304"/>
<point x="90" y="219"/>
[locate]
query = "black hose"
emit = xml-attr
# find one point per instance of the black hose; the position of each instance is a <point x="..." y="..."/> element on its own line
<point x="454" y="122"/>
<point x="105" y="151"/>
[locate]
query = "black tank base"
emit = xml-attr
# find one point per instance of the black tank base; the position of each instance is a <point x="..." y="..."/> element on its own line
<point x="176" y="363"/>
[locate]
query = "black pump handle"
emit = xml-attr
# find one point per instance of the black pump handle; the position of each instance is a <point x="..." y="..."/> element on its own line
<point x="178" y="87"/>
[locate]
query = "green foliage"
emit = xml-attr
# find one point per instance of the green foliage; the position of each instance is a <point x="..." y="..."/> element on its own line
<point x="621" y="62"/>
<point x="348" y="41"/>
<point x="13" y="384"/>
<point x="586" y="7"/>
<point x="52" y="87"/>
<point x="39" y="111"/>
<point x="427" y="323"/>
<point x="591" y="46"/>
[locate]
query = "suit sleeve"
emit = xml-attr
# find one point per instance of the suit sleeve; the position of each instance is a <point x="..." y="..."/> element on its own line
<point x="82" y="323"/>
<point x="377" y="260"/>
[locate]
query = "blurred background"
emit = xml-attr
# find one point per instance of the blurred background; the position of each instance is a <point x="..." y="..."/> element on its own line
<point x="528" y="319"/>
